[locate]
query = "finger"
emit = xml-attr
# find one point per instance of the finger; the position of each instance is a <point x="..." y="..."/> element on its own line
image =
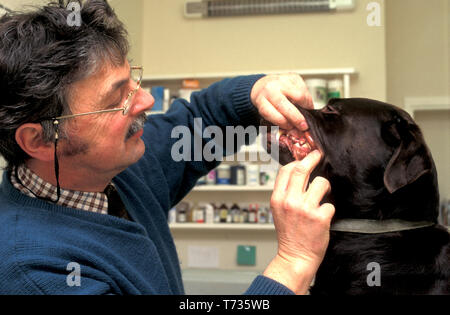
<point x="327" y="210"/>
<point x="271" y="114"/>
<point x="298" y="92"/>
<point x="300" y="97"/>
<point x="282" y="180"/>
<point x="317" y="191"/>
<point x="301" y="172"/>
<point x="290" y="112"/>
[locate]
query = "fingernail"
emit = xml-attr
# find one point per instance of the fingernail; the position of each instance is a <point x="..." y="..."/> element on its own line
<point x="304" y="126"/>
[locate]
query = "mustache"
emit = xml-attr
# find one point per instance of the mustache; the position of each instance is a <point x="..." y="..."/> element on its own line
<point x="137" y="125"/>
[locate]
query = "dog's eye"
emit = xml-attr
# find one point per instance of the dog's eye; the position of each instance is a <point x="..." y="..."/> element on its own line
<point x="329" y="110"/>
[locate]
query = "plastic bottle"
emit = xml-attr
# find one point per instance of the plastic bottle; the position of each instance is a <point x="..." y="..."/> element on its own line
<point x="252" y="174"/>
<point x="236" y="213"/>
<point x="335" y="89"/>
<point x="209" y="213"/>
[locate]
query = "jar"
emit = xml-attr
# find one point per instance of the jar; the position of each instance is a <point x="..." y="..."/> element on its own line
<point x="335" y="89"/>
<point x="318" y="90"/>
<point x="223" y="175"/>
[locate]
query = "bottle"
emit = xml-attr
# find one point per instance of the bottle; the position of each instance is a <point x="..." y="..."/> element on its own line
<point x="245" y="215"/>
<point x="211" y="178"/>
<point x="238" y="175"/>
<point x="318" y="90"/>
<point x="182" y="209"/>
<point x="223" y="175"/>
<point x="270" y="216"/>
<point x="252" y="175"/>
<point x="236" y="213"/>
<point x="198" y="215"/>
<point x="216" y="214"/>
<point x="209" y="213"/>
<point x="253" y="213"/>
<point x="262" y="215"/>
<point x="223" y="213"/>
<point x="335" y="89"/>
<point x="172" y="217"/>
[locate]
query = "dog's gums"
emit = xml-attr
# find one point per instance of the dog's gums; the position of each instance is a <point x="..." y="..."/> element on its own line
<point x="299" y="143"/>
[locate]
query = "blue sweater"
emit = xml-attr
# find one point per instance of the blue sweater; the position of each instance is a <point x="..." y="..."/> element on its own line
<point x="44" y="247"/>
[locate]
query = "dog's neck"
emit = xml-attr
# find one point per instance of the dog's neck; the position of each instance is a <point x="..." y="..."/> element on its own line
<point x="377" y="226"/>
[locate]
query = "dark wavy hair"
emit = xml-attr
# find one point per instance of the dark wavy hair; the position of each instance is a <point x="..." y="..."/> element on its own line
<point x="42" y="55"/>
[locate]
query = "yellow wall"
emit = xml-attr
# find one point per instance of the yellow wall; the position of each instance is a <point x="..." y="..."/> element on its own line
<point x="418" y="65"/>
<point x="130" y="12"/>
<point x="173" y="44"/>
<point x="417" y="49"/>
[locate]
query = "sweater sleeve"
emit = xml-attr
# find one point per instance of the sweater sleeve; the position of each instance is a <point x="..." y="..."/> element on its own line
<point x="225" y="103"/>
<point x="266" y="286"/>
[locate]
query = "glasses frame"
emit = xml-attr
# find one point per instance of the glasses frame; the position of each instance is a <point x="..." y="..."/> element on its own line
<point x="126" y="106"/>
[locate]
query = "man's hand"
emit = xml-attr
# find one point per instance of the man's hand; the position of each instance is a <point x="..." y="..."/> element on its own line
<point x="275" y="95"/>
<point x="302" y="224"/>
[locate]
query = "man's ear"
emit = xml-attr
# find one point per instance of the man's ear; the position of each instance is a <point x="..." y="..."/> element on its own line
<point x="30" y="138"/>
<point x="411" y="158"/>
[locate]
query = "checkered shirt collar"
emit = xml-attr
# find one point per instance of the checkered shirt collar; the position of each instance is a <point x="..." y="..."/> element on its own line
<point x="33" y="186"/>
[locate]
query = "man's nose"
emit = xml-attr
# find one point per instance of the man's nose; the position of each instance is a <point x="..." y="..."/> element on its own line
<point x="142" y="102"/>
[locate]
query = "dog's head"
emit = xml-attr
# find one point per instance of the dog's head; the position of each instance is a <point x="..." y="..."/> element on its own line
<point x="375" y="158"/>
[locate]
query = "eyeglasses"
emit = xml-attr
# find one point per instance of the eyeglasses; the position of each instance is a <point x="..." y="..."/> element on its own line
<point x="136" y="74"/>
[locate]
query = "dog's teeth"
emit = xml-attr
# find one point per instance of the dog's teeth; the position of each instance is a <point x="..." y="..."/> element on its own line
<point x="279" y="133"/>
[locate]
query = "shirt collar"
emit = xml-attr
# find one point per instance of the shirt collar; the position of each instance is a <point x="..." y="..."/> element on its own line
<point x="33" y="186"/>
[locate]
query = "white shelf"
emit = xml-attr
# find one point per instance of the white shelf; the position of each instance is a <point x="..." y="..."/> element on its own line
<point x="414" y="104"/>
<point x="222" y="226"/>
<point x="236" y="188"/>
<point x="328" y="72"/>
<point x="303" y="72"/>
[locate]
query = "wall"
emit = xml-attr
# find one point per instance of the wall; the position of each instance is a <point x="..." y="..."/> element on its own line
<point x="418" y="65"/>
<point x="173" y="44"/>
<point x="130" y="12"/>
<point x="417" y="49"/>
<point x="21" y="4"/>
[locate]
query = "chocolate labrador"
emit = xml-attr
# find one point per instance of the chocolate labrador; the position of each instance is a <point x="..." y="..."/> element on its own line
<point x="384" y="237"/>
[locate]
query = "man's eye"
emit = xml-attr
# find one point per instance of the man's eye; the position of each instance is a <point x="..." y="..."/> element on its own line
<point x="115" y="105"/>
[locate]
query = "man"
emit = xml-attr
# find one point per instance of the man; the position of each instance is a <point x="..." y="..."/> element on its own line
<point x="88" y="183"/>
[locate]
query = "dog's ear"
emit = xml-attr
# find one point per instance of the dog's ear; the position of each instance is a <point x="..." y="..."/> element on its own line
<point x="411" y="158"/>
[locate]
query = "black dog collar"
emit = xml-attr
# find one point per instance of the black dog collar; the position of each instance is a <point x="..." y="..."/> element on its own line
<point x="377" y="227"/>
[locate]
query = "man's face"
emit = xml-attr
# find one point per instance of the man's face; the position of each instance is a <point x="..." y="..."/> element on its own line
<point x="105" y="143"/>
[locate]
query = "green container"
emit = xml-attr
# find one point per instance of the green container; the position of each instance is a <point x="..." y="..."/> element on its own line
<point x="246" y="255"/>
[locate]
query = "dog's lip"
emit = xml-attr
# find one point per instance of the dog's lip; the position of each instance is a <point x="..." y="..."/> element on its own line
<point x="312" y="129"/>
<point x="311" y="132"/>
